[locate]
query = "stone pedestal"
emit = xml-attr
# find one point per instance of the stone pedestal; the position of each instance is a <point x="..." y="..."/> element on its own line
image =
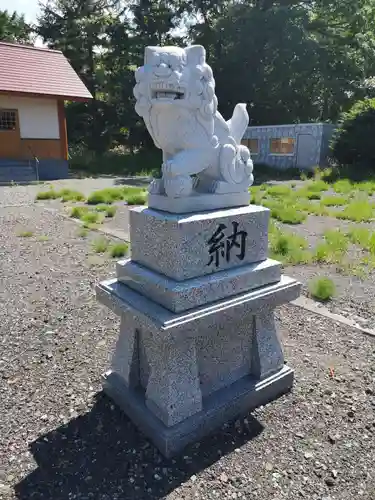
<point x="198" y="344"/>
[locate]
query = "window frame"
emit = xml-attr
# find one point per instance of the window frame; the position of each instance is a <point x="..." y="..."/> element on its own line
<point x="9" y="110"/>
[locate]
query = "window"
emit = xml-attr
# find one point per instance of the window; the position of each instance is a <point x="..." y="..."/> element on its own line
<point x="8" y="119"/>
<point x="252" y="144"/>
<point x="282" y="146"/>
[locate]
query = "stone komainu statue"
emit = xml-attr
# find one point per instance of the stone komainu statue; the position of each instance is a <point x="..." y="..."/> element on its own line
<point x="175" y="93"/>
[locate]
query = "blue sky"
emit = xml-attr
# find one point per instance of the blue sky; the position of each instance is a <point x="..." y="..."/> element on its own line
<point x="28" y="7"/>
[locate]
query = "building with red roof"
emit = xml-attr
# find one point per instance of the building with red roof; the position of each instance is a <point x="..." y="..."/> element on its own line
<point x="34" y="83"/>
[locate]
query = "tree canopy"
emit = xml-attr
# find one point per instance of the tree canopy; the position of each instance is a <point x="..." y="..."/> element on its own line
<point x="290" y="60"/>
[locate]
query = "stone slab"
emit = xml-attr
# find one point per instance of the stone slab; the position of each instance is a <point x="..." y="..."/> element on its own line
<point x="166" y="324"/>
<point x="198" y="202"/>
<point x="187" y="246"/>
<point x="222" y="406"/>
<point x="178" y="296"/>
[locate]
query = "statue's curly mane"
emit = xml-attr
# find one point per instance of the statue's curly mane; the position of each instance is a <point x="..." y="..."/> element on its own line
<point x="200" y="92"/>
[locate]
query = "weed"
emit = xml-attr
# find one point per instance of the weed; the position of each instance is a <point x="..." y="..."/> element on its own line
<point x="51" y="194"/>
<point x="332" y="201"/>
<point x="100" y="245"/>
<point x="313" y="196"/>
<point x="343" y="186"/>
<point x="111" y="211"/>
<point x="357" y="211"/>
<point x="368" y="187"/>
<point x="317" y="186"/>
<point x="70" y="195"/>
<point x="322" y="289"/>
<point x="118" y="249"/>
<point x="98" y="197"/>
<point x="288" y="247"/>
<point x="82" y="232"/>
<point x="25" y="234"/>
<point x="43" y="238"/>
<point x="78" y="212"/>
<point x="90" y="218"/>
<point x="359" y="236"/>
<point x="101" y="208"/>
<point x="136" y="199"/>
<point x="333" y="248"/>
<point x="279" y="190"/>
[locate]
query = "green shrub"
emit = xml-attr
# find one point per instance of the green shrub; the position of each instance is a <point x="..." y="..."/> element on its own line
<point x="118" y="249"/>
<point x="322" y="289"/>
<point x="353" y="140"/>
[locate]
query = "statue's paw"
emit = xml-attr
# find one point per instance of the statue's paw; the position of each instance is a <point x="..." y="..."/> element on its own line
<point x="178" y="186"/>
<point x="156" y="187"/>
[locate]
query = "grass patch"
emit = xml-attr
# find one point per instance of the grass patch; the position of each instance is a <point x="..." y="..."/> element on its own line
<point x="343" y="186"/>
<point x="100" y="245"/>
<point x="50" y="194"/>
<point x="108" y="210"/>
<point x="362" y="237"/>
<point x="279" y="190"/>
<point x="368" y="187"/>
<point x="82" y="232"/>
<point x="357" y="211"/>
<point x="322" y="289"/>
<point x="43" y="238"/>
<point x="78" y="212"/>
<point x="317" y="186"/>
<point x="90" y="218"/>
<point x="25" y="234"/>
<point x="136" y="198"/>
<point x="109" y="195"/>
<point x="288" y="248"/>
<point x="70" y="195"/>
<point x="334" y="201"/>
<point x="287" y="211"/>
<point x="118" y="249"/>
<point x="333" y="248"/>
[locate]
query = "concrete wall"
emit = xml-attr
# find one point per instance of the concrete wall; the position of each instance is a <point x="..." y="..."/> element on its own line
<point x="311" y="144"/>
<point x="38" y="117"/>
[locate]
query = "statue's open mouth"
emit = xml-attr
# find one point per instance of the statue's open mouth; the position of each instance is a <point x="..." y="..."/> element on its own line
<point x="167" y="91"/>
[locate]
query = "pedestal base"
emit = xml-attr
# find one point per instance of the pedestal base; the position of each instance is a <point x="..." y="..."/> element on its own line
<point x="220" y="407"/>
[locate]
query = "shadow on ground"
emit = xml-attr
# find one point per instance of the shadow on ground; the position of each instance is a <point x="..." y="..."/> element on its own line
<point x="142" y="182"/>
<point x="102" y="455"/>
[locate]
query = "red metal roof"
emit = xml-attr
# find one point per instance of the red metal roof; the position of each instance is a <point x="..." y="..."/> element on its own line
<point x="38" y="71"/>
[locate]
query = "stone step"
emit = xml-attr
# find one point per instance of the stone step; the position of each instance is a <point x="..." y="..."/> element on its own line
<point x="178" y="296"/>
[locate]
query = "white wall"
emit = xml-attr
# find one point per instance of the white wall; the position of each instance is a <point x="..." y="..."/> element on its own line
<point x="38" y="116"/>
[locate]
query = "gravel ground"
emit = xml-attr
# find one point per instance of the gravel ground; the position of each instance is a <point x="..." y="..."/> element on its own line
<point x="62" y="439"/>
<point x="355" y="296"/>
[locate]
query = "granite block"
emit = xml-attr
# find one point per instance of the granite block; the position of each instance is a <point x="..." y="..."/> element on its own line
<point x="191" y="245"/>
<point x="182" y="358"/>
<point x="178" y="296"/>
<point x="198" y="202"/>
<point x="166" y="324"/>
<point x="222" y="406"/>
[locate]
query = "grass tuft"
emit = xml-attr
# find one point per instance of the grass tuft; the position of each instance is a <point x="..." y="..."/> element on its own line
<point x="322" y="289"/>
<point x="332" y="201"/>
<point x="287" y="247"/>
<point x="343" y="186"/>
<point x="357" y="211"/>
<point x="118" y="249"/>
<point x="70" y="195"/>
<point x="78" y="212"/>
<point x="333" y="248"/>
<point x="90" y="218"/>
<point x="25" y="234"/>
<point x="50" y="194"/>
<point x="136" y="198"/>
<point x="100" y="245"/>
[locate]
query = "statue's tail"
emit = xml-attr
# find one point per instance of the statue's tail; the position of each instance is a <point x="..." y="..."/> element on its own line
<point x="238" y="123"/>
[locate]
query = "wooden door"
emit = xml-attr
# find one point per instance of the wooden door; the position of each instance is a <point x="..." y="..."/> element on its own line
<point x="9" y="134"/>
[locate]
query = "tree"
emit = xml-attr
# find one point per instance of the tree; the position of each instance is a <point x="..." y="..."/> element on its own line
<point x="13" y="28"/>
